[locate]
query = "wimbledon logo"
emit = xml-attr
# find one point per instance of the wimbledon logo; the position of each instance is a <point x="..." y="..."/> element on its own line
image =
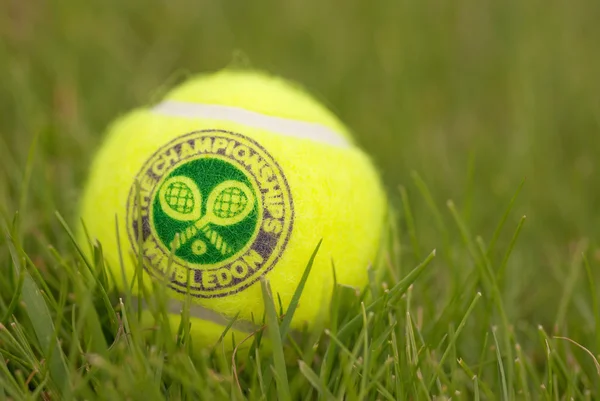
<point x="212" y="208"/>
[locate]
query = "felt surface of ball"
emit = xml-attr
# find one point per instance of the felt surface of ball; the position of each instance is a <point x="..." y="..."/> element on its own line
<point x="233" y="176"/>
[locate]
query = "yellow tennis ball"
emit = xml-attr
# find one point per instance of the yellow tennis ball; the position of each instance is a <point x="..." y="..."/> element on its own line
<point x="234" y="176"/>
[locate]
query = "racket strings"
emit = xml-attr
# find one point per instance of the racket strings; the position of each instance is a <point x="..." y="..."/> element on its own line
<point x="230" y="203"/>
<point x="180" y="197"/>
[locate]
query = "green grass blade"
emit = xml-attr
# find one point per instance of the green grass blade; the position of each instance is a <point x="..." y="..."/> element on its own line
<point x="501" y="369"/>
<point x="511" y="245"/>
<point x="491" y="248"/>
<point x="410" y="223"/>
<point x="438" y="217"/>
<point x="397" y="290"/>
<point x="41" y="319"/>
<point x="29" y="164"/>
<point x="279" y="367"/>
<point x="455" y="335"/>
<point x="594" y="298"/>
<point x="289" y="314"/>
<point x="16" y="298"/>
<point x="570" y="282"/>
<point x="314" y="380"/>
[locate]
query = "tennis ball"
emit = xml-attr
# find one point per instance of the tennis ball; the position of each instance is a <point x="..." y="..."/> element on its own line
<point x="235" y="176"/>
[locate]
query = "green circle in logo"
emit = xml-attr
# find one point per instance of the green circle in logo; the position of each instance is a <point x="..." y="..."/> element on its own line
<point x="211" y="211"/>
<point x="206" y="210"/>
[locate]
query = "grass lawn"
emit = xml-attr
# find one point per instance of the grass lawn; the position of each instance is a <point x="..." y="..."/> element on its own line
<point x="483" y="118"/>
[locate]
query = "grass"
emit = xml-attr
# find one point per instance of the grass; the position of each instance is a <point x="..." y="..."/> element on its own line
<point x="483" y="118"/>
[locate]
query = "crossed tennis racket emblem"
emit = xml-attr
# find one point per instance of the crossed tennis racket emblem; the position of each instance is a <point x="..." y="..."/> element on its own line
<point x="228" y="203"/>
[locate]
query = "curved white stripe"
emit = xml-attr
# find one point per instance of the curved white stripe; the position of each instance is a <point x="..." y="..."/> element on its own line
<point x="175" y="307"/>
<point x="284" y="126"/>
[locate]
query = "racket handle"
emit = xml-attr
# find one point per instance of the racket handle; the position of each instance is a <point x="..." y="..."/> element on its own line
<point x="215" y="239"/>
<point x="183" y="237"/>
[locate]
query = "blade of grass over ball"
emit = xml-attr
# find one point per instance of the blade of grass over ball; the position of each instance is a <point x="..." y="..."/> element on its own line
<point x="140" y="254"/>
<point x="226" y="330"/>
<point x="183" y="331"/>
<point x="157" y="305"/>
<point x="287" y="319"/>
<point x="397" y="290"/>
<point x="125" y="321"/>
<point x="279" y="368"/>
<point x="289" y="314"/>
<point x="120" y="252"/>
<point x="334" y="309"/>
<point x="315" y="381"/>
<point x="307" y="336"/>
<point x="40" y="317"/>
<point x="259" y="370"/>
<point x="100" y="267"/>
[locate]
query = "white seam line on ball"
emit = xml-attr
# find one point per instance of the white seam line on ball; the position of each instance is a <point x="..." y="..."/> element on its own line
<point x="175" y="307"/>
<point x="280" y="125"/>
<point x="202" y="313"/>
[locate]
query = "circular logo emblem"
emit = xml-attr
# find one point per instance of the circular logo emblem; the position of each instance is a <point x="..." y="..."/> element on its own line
<point x="212" y="209"/>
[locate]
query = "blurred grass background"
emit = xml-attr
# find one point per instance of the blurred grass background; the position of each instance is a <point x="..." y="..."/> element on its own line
<point x="474" y="95"/>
